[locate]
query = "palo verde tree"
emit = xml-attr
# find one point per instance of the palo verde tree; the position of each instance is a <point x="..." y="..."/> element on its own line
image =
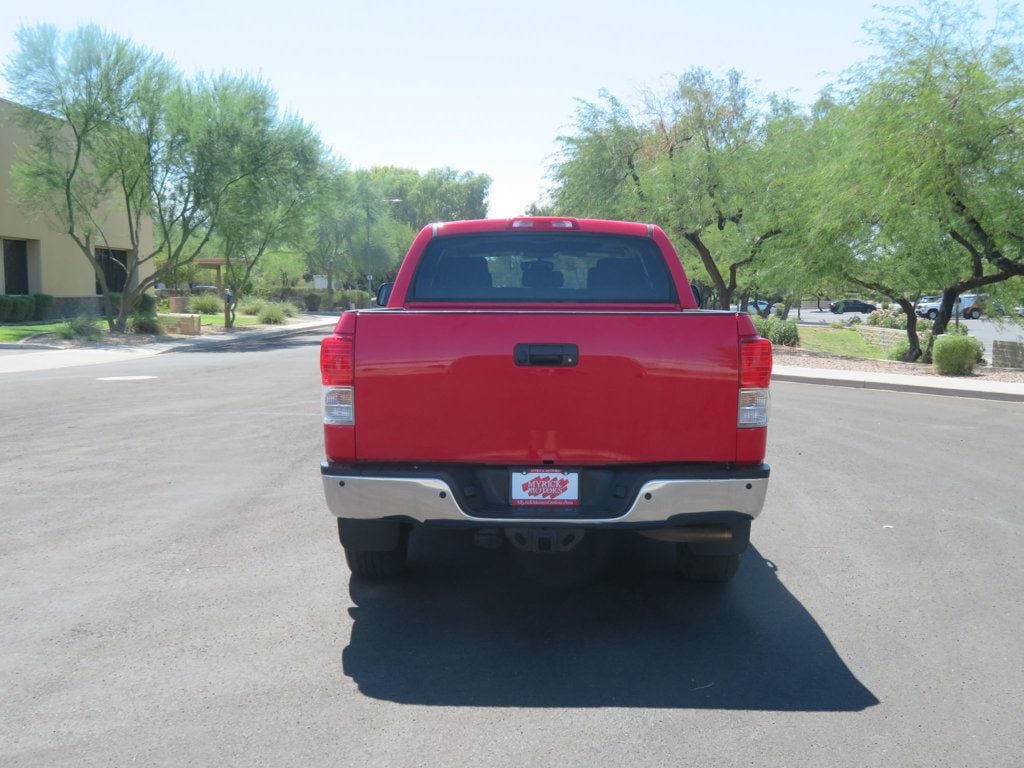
<point x="934" y="149"/>
<point x="118" y="135"/>
<point x="266" y="209"/>
<point x="694" y="161"/>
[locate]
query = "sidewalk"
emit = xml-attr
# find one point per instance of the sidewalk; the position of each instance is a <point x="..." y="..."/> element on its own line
<point x="36" y="357"/>
<point x="950" y="386"/>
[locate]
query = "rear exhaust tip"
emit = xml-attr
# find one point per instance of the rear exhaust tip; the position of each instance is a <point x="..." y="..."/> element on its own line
<point x="691" y="534"/>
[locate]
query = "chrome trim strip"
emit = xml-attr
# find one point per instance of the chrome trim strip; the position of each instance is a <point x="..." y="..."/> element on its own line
<point x="423" y="499"/>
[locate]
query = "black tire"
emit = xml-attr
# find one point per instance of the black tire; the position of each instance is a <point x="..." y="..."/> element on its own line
<point x="932" y="314"/>
<point x="377" y="550"/>
<point x="716" y="569"/>
<point x="974" y="314"/>
<point x="376" y="565"/>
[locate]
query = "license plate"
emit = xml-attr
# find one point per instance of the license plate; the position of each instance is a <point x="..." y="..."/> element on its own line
<point x="545" y="488"/>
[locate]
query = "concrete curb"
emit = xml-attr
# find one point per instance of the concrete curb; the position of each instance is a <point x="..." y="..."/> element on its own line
<point x="264" y="333"/>
<point x="1000" y="391"/>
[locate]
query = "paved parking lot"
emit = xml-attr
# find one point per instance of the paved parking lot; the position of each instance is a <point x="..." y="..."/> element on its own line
<point x="175" y="594"/>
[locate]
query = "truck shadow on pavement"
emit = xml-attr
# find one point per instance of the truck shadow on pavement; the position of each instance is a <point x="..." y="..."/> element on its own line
<point x="470" y="627"/>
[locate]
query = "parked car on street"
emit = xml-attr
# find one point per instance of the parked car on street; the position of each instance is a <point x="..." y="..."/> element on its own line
<point x="971" y="306"/>
<point x="851" y="305"/>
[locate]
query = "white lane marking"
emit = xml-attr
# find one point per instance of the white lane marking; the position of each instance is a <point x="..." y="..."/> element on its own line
<point x="124" y="378"/>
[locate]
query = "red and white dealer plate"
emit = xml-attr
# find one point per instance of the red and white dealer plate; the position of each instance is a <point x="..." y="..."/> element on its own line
<point x="545" y="488"/>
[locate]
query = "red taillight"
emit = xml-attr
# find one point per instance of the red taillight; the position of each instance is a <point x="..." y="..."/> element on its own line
<point x="337" y="360"/>
<point x="755" y="363"/>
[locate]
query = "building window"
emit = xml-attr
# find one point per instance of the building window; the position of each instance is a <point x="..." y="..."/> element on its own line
<point x="115" y="269"/>
<point x="15" y="267"/>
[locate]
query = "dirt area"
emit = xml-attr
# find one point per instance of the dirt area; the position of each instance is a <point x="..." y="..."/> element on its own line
<point x="804" y="359"/>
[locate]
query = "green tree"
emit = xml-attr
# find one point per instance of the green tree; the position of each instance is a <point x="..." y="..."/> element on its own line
<point x="118" y="133"/>
<point x="266" y="209"/>
<point x="931" y="164"/>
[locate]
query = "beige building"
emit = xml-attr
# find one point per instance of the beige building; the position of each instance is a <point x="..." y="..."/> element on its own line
<point x="39" y="259"/>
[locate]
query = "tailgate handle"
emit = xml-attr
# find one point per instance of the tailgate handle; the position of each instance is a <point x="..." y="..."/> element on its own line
<point x="549" y="355"/>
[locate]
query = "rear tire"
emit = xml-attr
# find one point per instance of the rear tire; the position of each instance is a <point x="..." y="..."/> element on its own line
<point x="716" y="569"/>
<point x="374" y="549"/>
<point x="932" y="314"/>
<point x="376" y="565"/>
<point x="975" y="314"/>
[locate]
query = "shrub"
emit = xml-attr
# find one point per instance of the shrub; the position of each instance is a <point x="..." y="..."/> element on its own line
<point x="780" y="332"/>
<point x="312" y="301"/>
<point x="81" y="327"/>
<point x="250" y="305"/>
<point x="22" y="309"/>
<point x="292" y="307"/>
<point x="146" y="324"/>
<point x="899" y="350"/>
<point x="205" y="304"/>
<point x="954" y="355"/>
<point x="6" y="308"/>
<point x="855" y="320"/>
<point x="44" y="303"/>
<point x="875" y="318"/>
<point x="271" y="314"/>
<point x="357" y="299"/>
<point x="146" y="305"/>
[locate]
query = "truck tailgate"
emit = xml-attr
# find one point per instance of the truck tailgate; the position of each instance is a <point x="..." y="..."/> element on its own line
<point x="444" y="386"/>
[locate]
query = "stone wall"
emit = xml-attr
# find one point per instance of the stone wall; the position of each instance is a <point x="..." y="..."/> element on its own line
<point x="78" y="306"/>
<point x="887" y="338"/>
<point x="1007" y="354"/>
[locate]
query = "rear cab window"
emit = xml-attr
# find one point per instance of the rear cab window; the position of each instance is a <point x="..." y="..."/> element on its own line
<point x="543" y="268"/>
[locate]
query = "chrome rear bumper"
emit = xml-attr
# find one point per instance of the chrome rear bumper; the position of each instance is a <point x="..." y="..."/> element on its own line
<point x="427" y="499"/>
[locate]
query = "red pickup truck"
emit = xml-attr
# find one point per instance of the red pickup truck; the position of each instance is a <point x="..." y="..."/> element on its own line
<point x="538" y="378"/>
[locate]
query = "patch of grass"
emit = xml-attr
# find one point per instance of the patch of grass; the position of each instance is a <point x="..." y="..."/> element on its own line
<point x="833" y="341"/>
<point x="11" y="333"/>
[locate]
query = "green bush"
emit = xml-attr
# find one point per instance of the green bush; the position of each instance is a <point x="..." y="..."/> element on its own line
<point x="899" y="350"/>
<point x="251" y="305"/>
<point x="780" y="332"/>
<point x="146" y="324"/>
<point x="146" y="305"/>
<point x="23" y="307"/>
<point x="205" y="304"/>
<point x="855" y="320"/>
<point x="43" y="305"/>
<point x="357" y="299"/>
<point x="291" y="308"/>
<point x="271" y="314"/>
<point x="312" y="301"/>
<point x="6" y="308"/>
<point x="79" y="327"/>
<point x="954" y="355"/>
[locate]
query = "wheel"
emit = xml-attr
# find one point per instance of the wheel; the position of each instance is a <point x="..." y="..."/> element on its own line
<point x="705" y="568"/>
<point x="932" y="314"/>
<point x="376" y="565"/>
<point x="974" y="314"/>
<point x="374" y="549"/>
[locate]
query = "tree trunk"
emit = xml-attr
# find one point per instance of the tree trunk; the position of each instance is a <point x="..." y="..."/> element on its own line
<point x="330" y="290"/>
<point x="723" y="290"/>
<point x="949" y="297"/>
<point x="914" y="350"/>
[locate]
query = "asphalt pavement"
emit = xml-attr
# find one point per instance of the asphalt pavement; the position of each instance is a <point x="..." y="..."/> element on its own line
<point x="174" y="594"/>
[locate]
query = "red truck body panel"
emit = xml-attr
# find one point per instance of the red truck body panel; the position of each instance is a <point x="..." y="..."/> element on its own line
<point x="443" y="387"/>
<point x="437" y="383"/>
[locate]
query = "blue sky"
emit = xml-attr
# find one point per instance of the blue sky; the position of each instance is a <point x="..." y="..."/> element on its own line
<point x="464" y="84"/>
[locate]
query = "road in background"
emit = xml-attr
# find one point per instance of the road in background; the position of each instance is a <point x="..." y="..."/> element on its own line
<point x="174" y="593"/>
